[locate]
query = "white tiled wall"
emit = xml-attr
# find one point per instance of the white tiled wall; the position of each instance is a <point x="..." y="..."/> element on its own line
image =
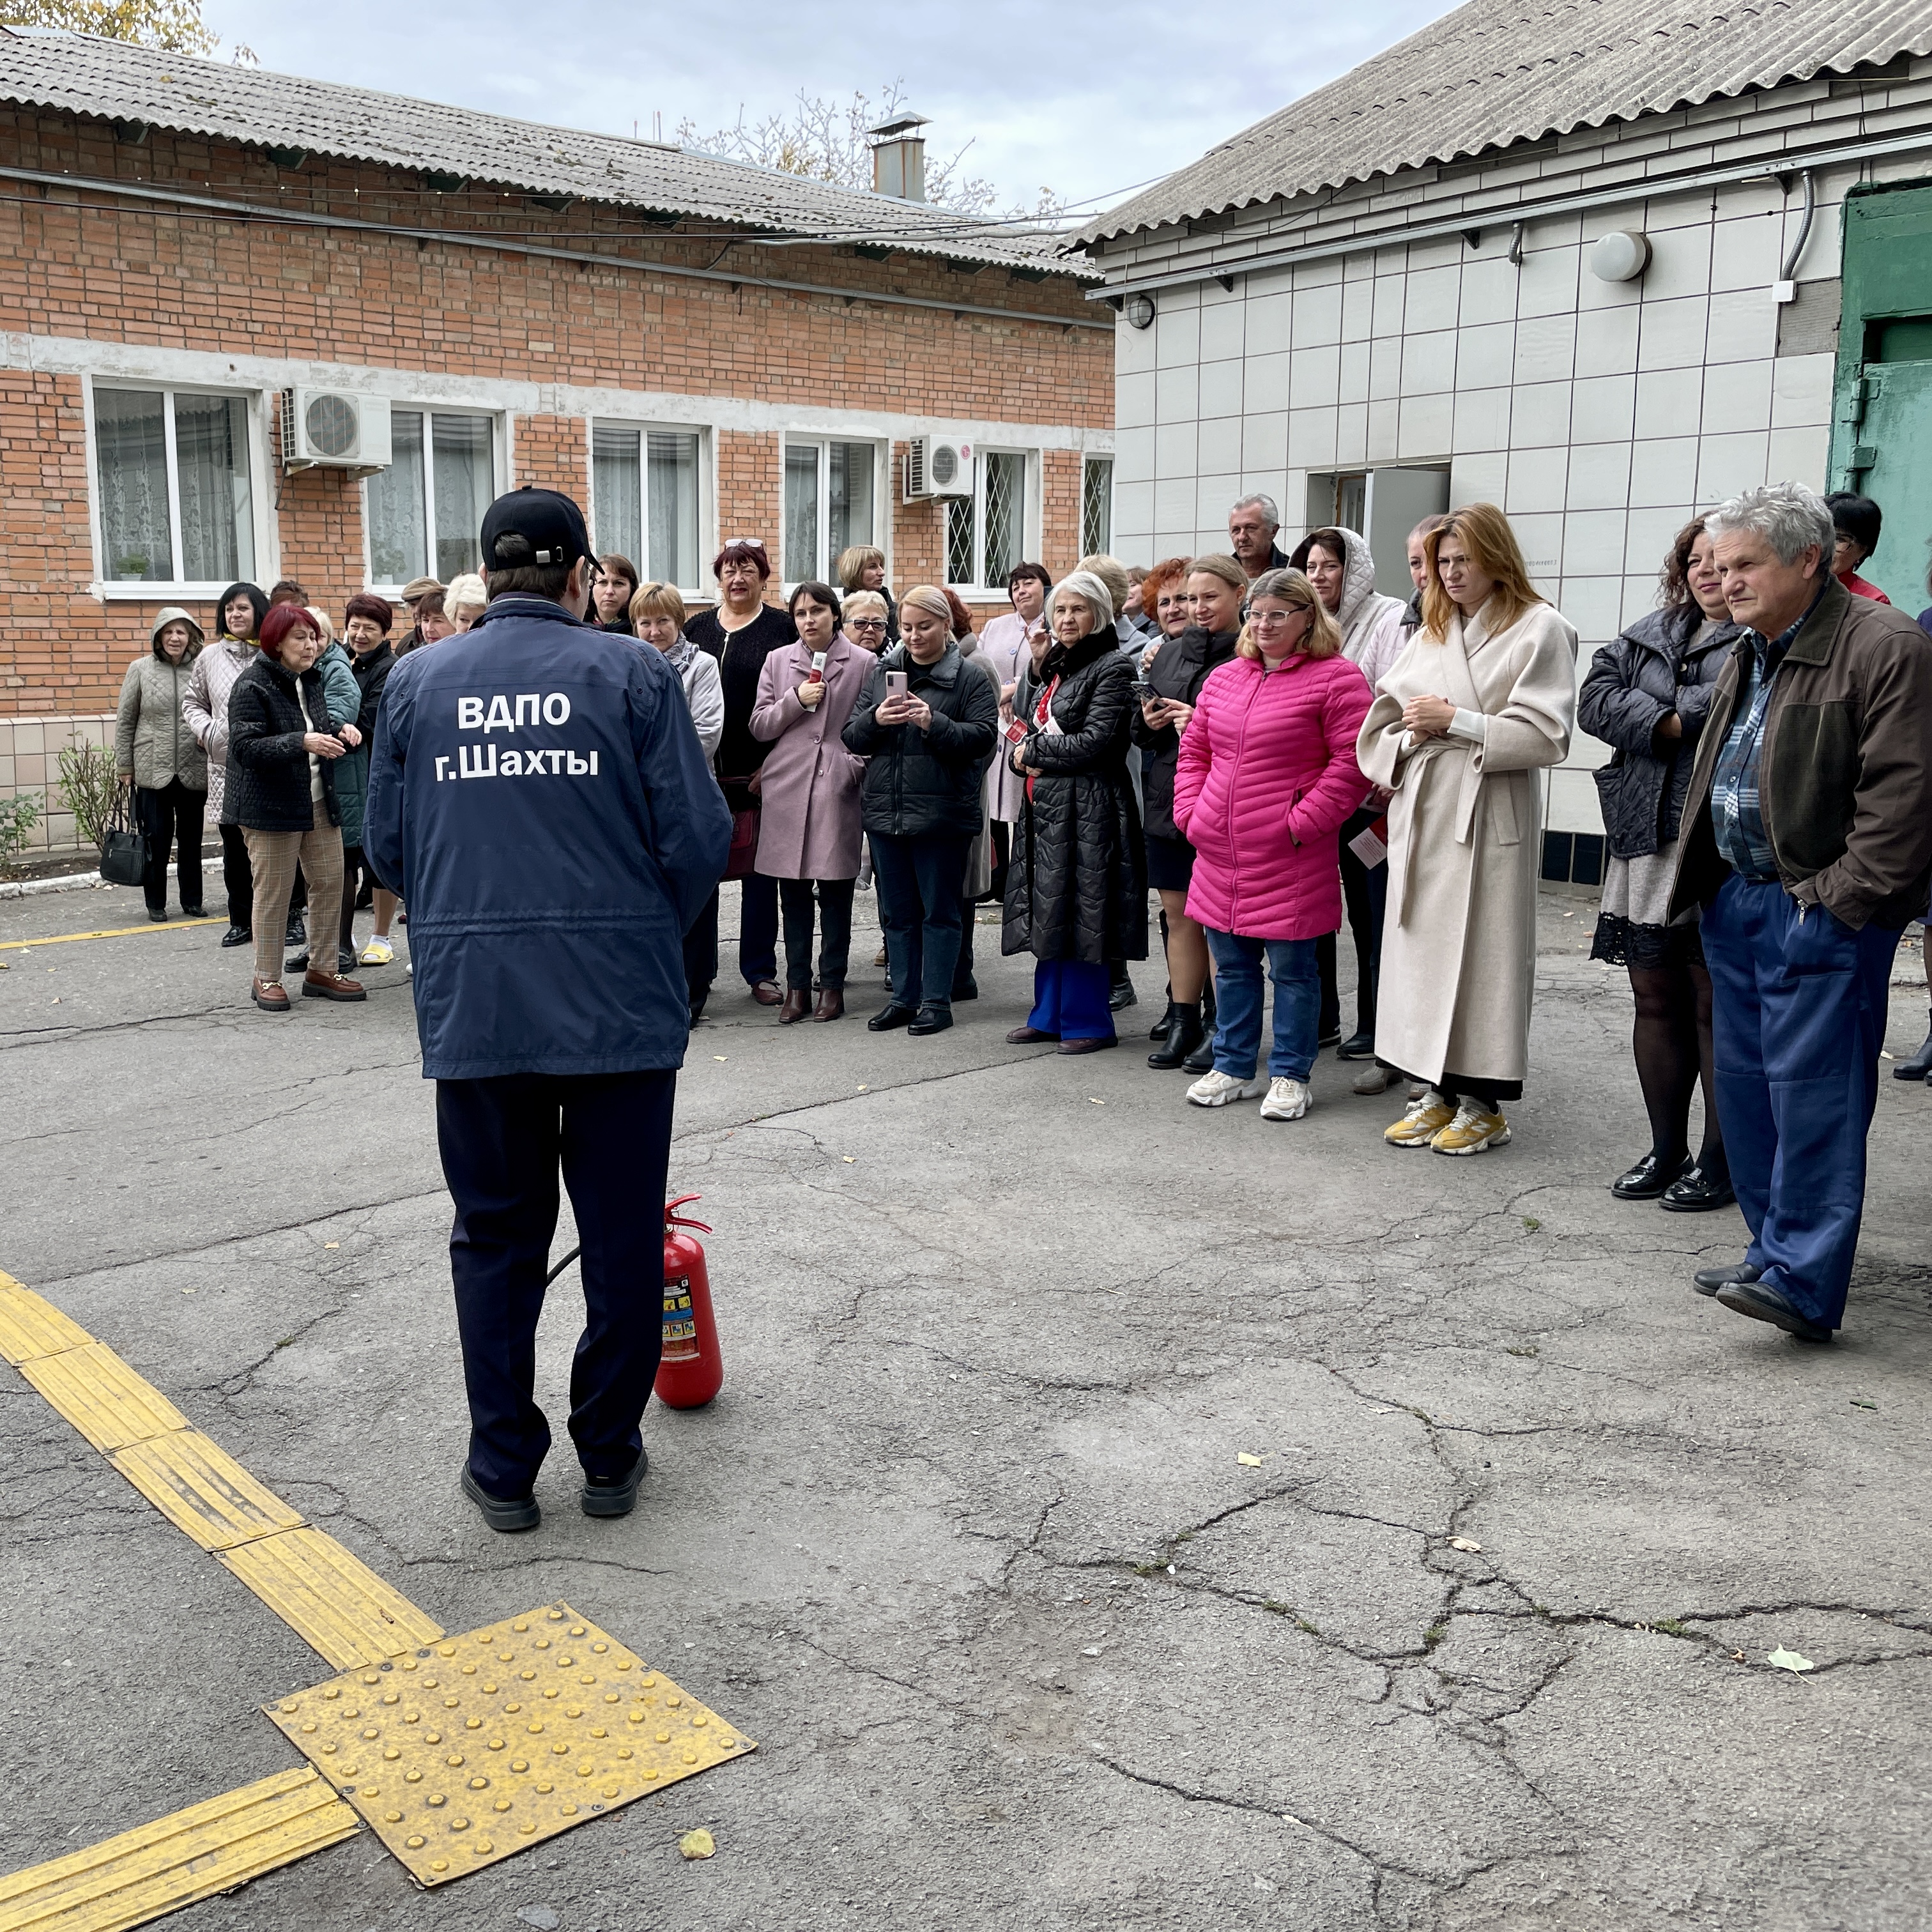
<point x="30" y="749"/>
<point x="1599" y="414"/>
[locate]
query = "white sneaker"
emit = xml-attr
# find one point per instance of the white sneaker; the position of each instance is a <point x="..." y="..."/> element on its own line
<point x="1216" y="1089"/>
<point x="1287" y="1099"/>
<point x="378" y="952"/>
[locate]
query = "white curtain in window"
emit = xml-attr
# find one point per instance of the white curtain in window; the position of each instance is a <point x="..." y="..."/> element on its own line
<point x="616" y="486"/>
<point x="393" y="503"/>
<point x="801" y="511"/>
<point x="851" y="465"/>
<point x="212" y="458"/>
<point x="131" y="457"/>
<point x="464" y="482"/>
<point x="672" y="497"/>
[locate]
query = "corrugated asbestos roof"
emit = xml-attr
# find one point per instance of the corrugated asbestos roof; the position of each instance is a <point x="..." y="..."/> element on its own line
<point x="115" y="80"/>
<point x="1498" y="71"/>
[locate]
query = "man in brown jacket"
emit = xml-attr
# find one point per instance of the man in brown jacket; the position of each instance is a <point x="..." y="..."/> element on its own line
<point x="1808" y="843"/>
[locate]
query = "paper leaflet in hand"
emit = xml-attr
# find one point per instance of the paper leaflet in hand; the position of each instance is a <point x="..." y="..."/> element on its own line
<point x="1371" y="845"/>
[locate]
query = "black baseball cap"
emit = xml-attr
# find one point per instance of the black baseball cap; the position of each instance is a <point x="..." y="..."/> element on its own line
<point x="546" y="520"/>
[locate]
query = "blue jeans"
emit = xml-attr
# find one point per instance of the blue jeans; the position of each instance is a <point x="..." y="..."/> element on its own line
<point x="1070" y="998"/>
<point x="921" y="884"/>
<point x="1292" y="965"/>
<point x="1797" y="1019"/>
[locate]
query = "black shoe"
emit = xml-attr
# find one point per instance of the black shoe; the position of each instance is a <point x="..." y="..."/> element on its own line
<point x="505" y="1514"/>
<point x="617" y="1498"/>
<point x="932" y="1018"/>
<point x="967" y="989"/>
<point x="1708" y="1281"/>
<point x="345" y="961"/>
<point x="1330" y="1036"/>
<point x="298" y="932"/>
<point x="1919" y="1066"/>
<point x="889" y="1017"/>
<point x="193" y="912"/>
<point x="1357" y="1046"/>
<point x="1651" y="1176"/>
<point x="1122" y="995"/>
<point x="1698" y="1191"/>
<point x="1201" y="1060"/>
<point x="1184" y="1038"/>
<point x="296" y="962"/>
<point x="1158" y="1030"/>
<point x="1763" y="1304"/>
<point x="238" y="935"/>
<point x="159" y="915"/>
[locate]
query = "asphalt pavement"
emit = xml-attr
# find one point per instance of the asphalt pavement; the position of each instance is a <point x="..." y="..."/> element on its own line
<point x="1117" y="1515"/>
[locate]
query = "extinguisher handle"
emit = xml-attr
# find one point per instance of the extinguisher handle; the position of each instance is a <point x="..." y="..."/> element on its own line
<point x="672" y="1219"/>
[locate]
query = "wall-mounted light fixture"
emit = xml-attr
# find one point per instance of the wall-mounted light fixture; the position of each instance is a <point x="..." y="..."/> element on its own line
<point x="1139" y="311"/>
<point x="1620" y="256"/>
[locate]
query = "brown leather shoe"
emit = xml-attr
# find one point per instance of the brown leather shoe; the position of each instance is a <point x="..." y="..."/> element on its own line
<point x="270" y="996"/>
<point x="797" y="1004"/>
<point x="1091" y="1044"/>
<point x="317" y="985"/>
<point x="767" y="993"/>
<point x="1026" y="1036"/>
<point x="831" y="1004"/>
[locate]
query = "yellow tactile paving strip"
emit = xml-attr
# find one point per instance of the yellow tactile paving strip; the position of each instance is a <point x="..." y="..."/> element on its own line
<point x="336" y="1603"/>
<point x="31" y="1326"/>
<point x="103" y="1397"/>
<point x="192" y="1855"/>
<point x="201" y="1489"/>
<point x="487" y="1743"/>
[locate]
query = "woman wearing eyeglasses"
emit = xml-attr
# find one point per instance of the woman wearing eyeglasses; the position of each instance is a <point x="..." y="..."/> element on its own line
<point x="741" y="632"/>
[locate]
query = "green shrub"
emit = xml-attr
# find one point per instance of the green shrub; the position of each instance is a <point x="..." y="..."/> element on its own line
<point x="89" y="786"/>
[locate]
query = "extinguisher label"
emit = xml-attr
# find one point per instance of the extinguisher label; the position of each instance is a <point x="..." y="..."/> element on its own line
<point x="680" y="1324"/>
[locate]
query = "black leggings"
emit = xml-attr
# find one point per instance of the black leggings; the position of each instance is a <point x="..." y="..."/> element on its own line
<point x="835" y="918"/>
<point x="357" y="872"/>
<point x="1490" y="1095"/>
<point x="1671" y="1041"/>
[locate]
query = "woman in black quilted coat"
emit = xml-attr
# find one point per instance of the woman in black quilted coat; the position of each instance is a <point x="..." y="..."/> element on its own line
<point x="1076" y="887"/>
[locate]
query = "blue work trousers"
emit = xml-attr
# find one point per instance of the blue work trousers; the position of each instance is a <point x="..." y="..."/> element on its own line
<point x="1798" y="1016"/>
<point x="1292" y="965"/>
<point x="503" y="1141"/>
<point x="1070" y="997"/>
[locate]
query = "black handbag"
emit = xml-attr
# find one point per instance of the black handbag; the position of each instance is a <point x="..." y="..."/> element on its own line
<point x="123" y="851"/>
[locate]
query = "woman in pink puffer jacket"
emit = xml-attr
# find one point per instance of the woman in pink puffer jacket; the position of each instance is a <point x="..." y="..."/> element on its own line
<point x="1267" y="775"/>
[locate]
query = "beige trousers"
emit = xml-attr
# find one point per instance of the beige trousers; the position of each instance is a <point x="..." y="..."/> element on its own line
<point x="272" y="855"/>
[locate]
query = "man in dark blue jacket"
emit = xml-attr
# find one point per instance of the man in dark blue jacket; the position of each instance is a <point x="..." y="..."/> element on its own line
<point x="539" y="797"/>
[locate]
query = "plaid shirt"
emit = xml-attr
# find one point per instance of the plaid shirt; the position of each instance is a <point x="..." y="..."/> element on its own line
<point x="1737" y="811"/>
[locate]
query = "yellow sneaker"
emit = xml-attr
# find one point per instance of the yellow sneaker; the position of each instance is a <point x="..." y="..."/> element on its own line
<point x="1427" y="1116"/>
<point x="378" y="952"/>
<point x="1473" y="1128"/>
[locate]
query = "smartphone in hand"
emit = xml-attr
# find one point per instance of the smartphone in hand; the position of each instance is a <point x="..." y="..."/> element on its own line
<point x="896" y="686"/>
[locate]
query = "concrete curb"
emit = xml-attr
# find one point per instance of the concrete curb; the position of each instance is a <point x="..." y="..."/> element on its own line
<point x="67" y="882"/>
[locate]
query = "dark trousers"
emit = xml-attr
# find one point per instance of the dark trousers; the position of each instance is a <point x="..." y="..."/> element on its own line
<point x="700" y="953"/>
<point x="1797" y="1019"/>
<point x="835" y="913"/>
<point x="758" y="929"/>
<point x="921" y="885"/>
<point x="1365" y="893"/>
<point x="502" y="1142"/>
<point x="1002" y="835"/>
<point x="357" y="875"/>
<point x="170" y="815"/>
<point x="238" y="877"/>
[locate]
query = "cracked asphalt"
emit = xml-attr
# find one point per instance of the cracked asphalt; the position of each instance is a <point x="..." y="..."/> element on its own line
<point x="1478" y="1639"/>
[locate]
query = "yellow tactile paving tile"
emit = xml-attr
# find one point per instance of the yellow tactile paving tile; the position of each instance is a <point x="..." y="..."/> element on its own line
<point x="333" y="1601"/>
<point x="103" y="1397"/>
<point x="30" y="1326"/>
<point x="201" y="1489"/>
<point x="469" y="1750"/>
<point x="190" y="1855"/>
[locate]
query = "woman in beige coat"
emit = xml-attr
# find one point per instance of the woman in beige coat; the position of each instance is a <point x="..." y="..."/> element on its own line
<point x="1483" y="697"/>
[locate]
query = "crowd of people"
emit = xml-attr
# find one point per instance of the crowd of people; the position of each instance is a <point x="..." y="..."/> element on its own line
<point x="1274" y="748"/>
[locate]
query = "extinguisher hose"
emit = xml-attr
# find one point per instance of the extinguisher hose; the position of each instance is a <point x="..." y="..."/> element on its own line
<point x="672" y="1219"/>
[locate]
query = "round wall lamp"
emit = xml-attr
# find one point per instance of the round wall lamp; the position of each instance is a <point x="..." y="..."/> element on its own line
<point x="1138" y="310"/>
<point x="1620" y="256"/>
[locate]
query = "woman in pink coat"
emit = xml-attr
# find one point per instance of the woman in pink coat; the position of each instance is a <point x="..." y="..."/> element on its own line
<point x="1266" y="776"/>
<point x="808" y="831"/>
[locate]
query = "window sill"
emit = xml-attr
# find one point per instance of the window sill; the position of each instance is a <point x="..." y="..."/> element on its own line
<point x="125" y="590"/>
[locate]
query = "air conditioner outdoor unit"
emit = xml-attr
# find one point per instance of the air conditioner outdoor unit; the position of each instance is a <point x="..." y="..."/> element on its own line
<point x="334" y="429"/>
<point x="935" y="467"/>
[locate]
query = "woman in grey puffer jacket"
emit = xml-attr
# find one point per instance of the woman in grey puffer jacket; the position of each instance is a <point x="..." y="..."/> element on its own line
<point x="157" y="754"/>
<point x="1647" y="696"/>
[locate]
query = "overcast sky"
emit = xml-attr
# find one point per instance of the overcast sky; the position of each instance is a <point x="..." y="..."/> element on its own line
<point x="1089" y="98"/>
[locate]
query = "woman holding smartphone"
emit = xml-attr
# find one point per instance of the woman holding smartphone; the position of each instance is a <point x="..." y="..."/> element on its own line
<point x="1212" y="590"/>
<point x="926" y="722"/>
<point x="1076" y="890"/>
<point x="808" y="831"/>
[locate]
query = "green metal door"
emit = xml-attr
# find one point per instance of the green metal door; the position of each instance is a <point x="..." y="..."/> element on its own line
<point x="1882" y="421"/>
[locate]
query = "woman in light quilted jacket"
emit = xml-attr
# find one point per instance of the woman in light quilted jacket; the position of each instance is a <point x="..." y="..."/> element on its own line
<point x="1266" y="777"/>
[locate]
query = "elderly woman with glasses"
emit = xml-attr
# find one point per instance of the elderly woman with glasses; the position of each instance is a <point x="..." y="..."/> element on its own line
<point x="1076" y="889"/>
<point x="868" y="620"/>
<point x="741" y="632"/>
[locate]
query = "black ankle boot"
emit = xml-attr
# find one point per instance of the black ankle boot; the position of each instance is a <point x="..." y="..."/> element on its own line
<point x="1158" y="1030"/>
<point x="1919" y="1067"/>
<point x="1183" y="1037"/>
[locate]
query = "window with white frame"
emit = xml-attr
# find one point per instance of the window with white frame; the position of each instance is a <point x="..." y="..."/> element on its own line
<point x="831" y="500"/>
<point x="1096" y="506"/>
<point x="644" y="499"/>
<point x="174" y="492"/>
<point x="986" y="532"/>
<point x="425" y="513"/>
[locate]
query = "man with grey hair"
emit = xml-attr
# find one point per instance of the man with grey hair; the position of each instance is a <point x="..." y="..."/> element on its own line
<point x="1808" y="845"/>
<point x="1251" y="524"/>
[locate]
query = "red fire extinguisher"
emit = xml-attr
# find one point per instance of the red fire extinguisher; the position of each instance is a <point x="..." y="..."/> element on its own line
<point x="690" y="1371"/>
